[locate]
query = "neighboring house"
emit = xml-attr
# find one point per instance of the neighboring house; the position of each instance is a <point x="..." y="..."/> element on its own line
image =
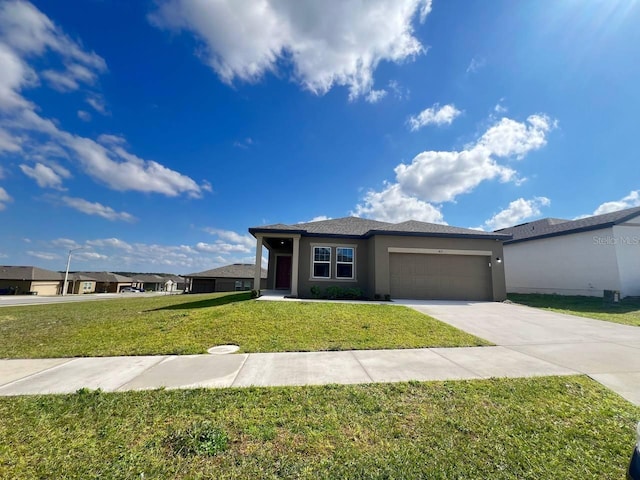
<point x="149" y="282"/>
<point x="24" y="280"/>
<point x="107" y="282"/>
<point x="236" y="277"/>
<point x="178" y="283"/>
<point x="575" y="257"/>
<point x="79" y="283"/>
<point x="405" y="260"/>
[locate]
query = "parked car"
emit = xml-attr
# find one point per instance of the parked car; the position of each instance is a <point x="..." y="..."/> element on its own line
<point x="634" y="465"/>
<point x="129" y="290"/>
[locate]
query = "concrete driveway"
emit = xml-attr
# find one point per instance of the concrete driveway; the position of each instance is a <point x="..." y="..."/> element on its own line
<point x="607" y="352"/>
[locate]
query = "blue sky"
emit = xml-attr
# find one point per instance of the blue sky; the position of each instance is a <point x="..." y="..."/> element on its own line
<point x="154" y="133"/>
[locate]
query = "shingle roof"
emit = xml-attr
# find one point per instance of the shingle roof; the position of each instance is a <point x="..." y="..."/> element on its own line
<point x="237" y="270"/>
<point x="8" y="272"/>
<point x="552" y="227"/>
<point x="106" y="277"/>
<point x="361" y="227"/>
<point x="147" y="278"/>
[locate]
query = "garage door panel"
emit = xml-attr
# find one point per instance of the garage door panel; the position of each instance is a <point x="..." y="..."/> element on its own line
<point x="440" y="277"/>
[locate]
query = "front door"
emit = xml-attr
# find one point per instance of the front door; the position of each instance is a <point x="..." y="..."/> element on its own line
<point x="283" y="272"/>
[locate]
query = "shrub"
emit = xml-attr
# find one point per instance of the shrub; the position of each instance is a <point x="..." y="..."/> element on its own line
<point x="387" y="297"/>
<point x="315" y="291"/>
<point x="255" y="293"/>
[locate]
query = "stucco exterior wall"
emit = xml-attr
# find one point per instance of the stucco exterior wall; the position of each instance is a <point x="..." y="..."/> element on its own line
<point x="384" y="242"/>
<point x="361" y="268"/>
<point x="577" y="264"/>
<point x="627" y="245"/>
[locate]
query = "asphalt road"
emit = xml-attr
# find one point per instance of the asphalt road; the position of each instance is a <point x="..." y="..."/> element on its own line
<point x="24" y="300"/>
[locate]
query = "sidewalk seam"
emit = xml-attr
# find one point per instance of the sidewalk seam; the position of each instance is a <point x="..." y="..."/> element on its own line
<point x="41" y="371"/>
<point x="239" y="369"/>
<point x="364" y="369"/>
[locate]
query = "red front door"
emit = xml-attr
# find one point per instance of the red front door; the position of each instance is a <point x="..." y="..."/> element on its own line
<point x="283" y="271"/>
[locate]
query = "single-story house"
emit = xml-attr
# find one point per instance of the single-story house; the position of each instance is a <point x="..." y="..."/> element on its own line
<point x="17" y="280"/>
<point x="236" y="277"/>
<point x="148" y="282"/>
<point x="78" y="283"/>
<point x="107" y="282"/>
<point x="178" y="283"/>
<point x="575" y="257"/>
<point x="402" y="260"/>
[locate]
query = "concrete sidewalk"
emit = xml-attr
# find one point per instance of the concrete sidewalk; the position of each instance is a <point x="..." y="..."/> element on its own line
<point x="25" y="377"/>
<point x="531" y="342"/>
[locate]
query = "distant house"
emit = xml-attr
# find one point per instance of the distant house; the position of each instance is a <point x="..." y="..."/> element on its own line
<point x="149" y="282"/>
<point x="79" y="283"/>
<point x="402" y="260"/>
<point x="575" y="257"/>
<point x="236" y="277"/>
<point x="107" y="282"/>
<point x="23" y="280"/>
<point x="178" y="283"/>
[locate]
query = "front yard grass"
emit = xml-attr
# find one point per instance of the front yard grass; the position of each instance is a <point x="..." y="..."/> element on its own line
<point x="190" y="324"/>
<point x="536" y="428"/>
<point x="626" y="311"/>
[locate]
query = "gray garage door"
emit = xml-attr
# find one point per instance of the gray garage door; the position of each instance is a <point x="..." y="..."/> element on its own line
<point x="440" y="277"/>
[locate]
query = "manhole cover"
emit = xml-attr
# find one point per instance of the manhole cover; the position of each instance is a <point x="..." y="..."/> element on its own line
<point x="223" y="349"/>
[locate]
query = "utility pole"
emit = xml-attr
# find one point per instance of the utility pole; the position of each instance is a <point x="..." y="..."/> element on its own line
<point x="66" y="273"/>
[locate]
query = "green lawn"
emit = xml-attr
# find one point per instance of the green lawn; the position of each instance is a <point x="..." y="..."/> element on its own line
<point x="485" y="429"/>
<point x="626" y="312"/>
<point x="187" y="324"/>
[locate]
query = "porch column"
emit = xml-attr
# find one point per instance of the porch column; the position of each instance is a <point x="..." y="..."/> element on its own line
<point x="294" y="266"/>
<point x="257" y="276"/>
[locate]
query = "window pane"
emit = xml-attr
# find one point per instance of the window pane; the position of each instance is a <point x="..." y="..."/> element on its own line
<point x="344" y="270"/>
<point x="321" y="270"/>
<point x="322" y="254"/>
<point x="344" y="254"/>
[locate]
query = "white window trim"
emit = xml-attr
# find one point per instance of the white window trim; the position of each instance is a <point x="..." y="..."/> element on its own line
<point x="333" y="266"/>
<point x="352" y="263"/>
<point x="314" y="261"/>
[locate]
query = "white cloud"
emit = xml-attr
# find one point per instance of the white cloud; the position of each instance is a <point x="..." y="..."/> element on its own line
<point x="226" y="242"/>
<point x="84" y="115"/>
<point x="393" y="205"/>
<point x="476" y="64"/>
<point x="244" y="144"/>
<point x="26" y="32"/>
<point x="374" y="96"/>
<point x="66" y="243"/>
<point x="9" y="143"/>
<point x="4" y="198"/>
<point x="435" y="115"/>
<point x="43" y="255"/>
<point x="630" y="201"/>
<point x="336" y="42"/>
<point x="399" y="92"/>
<point x="440" y="176"/>
<point x="114" y="243"/>
<point x="511" y="138"/>
<point x="45" y="176"/>
<point x="319" y="218"/>
<point x="516" y="212"/>
<point x="115" y="254"/>
<point x="95" y="208"/>
<point x="97" y="103"/>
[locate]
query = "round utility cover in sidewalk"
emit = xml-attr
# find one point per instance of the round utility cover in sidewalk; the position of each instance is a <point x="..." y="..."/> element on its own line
<point x="223" y="349"/>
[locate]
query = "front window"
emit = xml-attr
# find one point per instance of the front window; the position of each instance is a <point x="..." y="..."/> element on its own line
<point x="322" y="262"/>
<point x="344" y="262"/>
